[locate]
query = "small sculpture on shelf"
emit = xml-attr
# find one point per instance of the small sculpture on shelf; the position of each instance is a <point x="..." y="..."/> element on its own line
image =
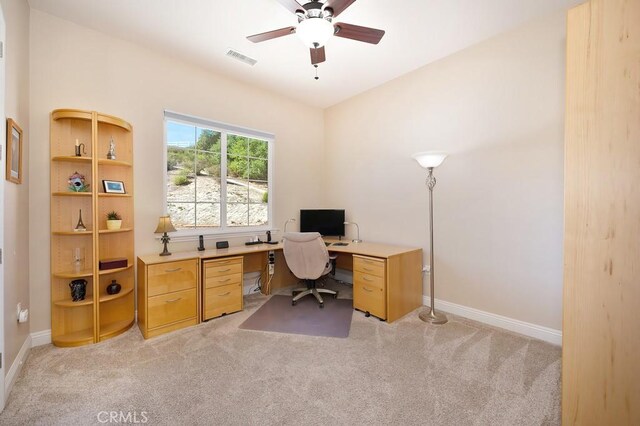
<point x="80" y="226"/>
<point x="77" y="184"/>
<point x="111" y="155"/>
<point x="114" y="220"/>
<point x="113" y="288"/>
<point x="78" y="289"/>
<point x="80" y="149"/>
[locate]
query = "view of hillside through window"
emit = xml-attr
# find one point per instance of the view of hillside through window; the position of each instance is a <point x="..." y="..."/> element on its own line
<point x="198" y="196"/>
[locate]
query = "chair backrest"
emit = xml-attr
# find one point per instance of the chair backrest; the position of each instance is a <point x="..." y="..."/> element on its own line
<point x="306" y="255"/>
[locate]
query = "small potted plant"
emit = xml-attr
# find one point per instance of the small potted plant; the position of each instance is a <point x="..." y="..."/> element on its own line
<point x="114" y="221"/>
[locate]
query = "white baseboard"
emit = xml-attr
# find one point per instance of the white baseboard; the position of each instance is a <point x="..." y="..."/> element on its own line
<point x="16" y="367"/>
<point x="40" y="338"/>
<point x="532" y="330"/>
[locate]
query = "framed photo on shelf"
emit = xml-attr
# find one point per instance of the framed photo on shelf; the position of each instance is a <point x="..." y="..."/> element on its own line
<point x="113" y="187"/>
<point x="14" y="152"/>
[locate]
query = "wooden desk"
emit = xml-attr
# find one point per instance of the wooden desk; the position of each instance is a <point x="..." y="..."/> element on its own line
<point x="387" y="278"/>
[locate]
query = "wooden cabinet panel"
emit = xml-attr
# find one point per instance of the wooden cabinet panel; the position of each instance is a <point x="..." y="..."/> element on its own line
<point x="369" y="266"/>
<point x="211" y="282"/>
<point x="370" y="280"/>
<point x="223" y="300"/>
<point x="222" y="292"/>
<point x="172" y="276"/>
<point x="172" y="307"/>
<point x="370" y="299"/>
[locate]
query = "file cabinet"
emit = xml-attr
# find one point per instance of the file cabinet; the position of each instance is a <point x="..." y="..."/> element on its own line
<point x="222" y="286"/>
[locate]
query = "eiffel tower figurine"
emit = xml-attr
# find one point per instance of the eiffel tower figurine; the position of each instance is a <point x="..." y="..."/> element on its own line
<point x="80" y="226"/>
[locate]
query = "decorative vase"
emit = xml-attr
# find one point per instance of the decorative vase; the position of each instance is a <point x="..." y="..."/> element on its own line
<point x="113" y="288"/>
<point x="113" y="225"/>
<point x="78" y="289"/>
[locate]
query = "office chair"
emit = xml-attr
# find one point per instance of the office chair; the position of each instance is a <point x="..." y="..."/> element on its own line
<point x="307" y="257"/>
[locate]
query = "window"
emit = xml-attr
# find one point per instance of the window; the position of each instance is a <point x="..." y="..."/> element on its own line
<point x="218" y="176"/>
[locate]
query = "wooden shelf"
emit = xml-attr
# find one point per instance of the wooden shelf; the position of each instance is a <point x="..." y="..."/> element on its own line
<point x="113" y="271"/>
<point x="107" y="162"/>
<point x="114" y="231"/>
<point x="71" y="194"/>
<point x="71" y="113"/>
<point x="70" y="274"/>
<point x="72" y="233"/>
<point x="96" y="131"/>
<point x="113" y="329"/>
<point x="103" y="194"/>
<point x="108" y="297"/>
<point x="88" y="300"/>
<point x="72" y="159"/>
<point x="77" y="338"/>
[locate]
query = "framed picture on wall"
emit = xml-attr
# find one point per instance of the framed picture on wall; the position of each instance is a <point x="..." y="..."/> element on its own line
<point x="14" y="152"/>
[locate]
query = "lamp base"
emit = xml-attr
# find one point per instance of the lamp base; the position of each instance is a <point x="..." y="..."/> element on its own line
<point x="433" y="317"/>
<point x="356" y="241"/>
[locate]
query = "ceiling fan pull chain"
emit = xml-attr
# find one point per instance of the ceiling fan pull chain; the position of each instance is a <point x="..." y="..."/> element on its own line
<point x="316" y="77"/>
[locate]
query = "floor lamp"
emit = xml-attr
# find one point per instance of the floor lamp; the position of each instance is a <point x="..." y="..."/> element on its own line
<point x="430" y="160"/>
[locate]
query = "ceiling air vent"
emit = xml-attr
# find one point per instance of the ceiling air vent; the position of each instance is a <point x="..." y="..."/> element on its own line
<point x="240" y="57"/>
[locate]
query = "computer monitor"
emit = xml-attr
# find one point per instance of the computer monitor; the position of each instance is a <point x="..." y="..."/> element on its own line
<point x="326" y="222"/>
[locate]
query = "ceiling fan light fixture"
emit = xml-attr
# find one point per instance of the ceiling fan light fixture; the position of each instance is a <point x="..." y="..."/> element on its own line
<point x="315" y="32"/>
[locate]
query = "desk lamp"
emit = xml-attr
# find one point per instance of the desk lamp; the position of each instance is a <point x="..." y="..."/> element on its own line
<point x="430" y="160"/>
<point x="164" y="226"/>
<point x="357" y="240"/>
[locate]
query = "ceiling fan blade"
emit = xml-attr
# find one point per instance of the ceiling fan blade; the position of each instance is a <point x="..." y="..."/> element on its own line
<point x="317" y="55"/>
<point x="338" y="6"/>
<point x="291" y="5"/>
<point x="355" y="32"/>
<point x="257" y="38"/>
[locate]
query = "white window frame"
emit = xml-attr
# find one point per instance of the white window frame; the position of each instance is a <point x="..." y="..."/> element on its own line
<point x="223" y="129"/>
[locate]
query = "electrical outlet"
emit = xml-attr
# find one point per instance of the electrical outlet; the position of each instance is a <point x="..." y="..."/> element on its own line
<point x="271" y="269"/>
<point x="426" y="269"/>
<point x="18" y="309"/>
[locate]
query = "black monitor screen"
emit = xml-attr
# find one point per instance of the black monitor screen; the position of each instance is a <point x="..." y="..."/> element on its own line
<point x="326" y="222"/>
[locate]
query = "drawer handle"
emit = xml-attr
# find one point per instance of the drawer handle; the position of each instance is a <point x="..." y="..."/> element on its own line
<point x="225" y="270"/>
<point x="225" y="294"/>
<point x="173" y="270"/>
<point x="224" y="281"/>
<point x="367" y="279"/>
<point x="367" y="290"/>
<point x="367" y="269"/>
<point x="174" y="300"/>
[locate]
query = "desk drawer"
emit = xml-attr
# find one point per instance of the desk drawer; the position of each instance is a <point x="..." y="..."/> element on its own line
<point x="369" y="265"/>
<point x="211" y="282"/>
<point x="370" y="299"/>
<point x="223" y="300"/>
<point x="172" y="276"/>
<point x="218" y="268"/>
<point x="367" y="279"/>
<point x="172" y="307"/>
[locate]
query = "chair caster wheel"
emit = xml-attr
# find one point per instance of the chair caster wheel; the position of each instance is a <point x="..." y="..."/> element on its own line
<point x="367" y="314"/>
<point x="321" y="305"/>
<point x="293" y="303"/>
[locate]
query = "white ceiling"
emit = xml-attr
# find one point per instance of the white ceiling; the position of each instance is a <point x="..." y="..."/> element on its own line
<point x="200" y="31"/>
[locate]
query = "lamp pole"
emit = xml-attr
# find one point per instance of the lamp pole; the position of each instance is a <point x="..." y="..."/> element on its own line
<point x="430" y="315"/>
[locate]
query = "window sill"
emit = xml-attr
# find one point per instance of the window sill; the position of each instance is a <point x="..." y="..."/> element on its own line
<point x="208" y="235"/>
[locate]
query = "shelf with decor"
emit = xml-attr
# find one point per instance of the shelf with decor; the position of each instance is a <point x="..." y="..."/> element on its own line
<point x="88" y="148"/>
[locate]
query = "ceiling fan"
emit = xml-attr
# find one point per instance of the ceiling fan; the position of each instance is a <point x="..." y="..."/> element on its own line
<point x="315" y="26"/>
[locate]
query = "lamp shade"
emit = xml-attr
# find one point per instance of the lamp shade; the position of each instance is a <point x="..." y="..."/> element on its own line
<point x="164" y="225"/>
<point x="315" y="32"/>
<point x="430" y="159"/>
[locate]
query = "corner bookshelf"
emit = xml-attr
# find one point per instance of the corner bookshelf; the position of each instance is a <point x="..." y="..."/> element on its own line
<point x="75" y="255"/>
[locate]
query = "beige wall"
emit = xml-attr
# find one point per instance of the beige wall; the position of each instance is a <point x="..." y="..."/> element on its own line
<point x="16" y="202"/>
<point x="74" y="67"/>
<point x="498" y="109"/>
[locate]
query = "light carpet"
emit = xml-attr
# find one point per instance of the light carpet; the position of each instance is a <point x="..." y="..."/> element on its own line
<point x="405" y="373"/>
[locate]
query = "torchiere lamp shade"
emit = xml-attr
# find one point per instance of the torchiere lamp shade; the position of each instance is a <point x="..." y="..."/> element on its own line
<point x="164" y="225"/>
<point x="430" y="159"/>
